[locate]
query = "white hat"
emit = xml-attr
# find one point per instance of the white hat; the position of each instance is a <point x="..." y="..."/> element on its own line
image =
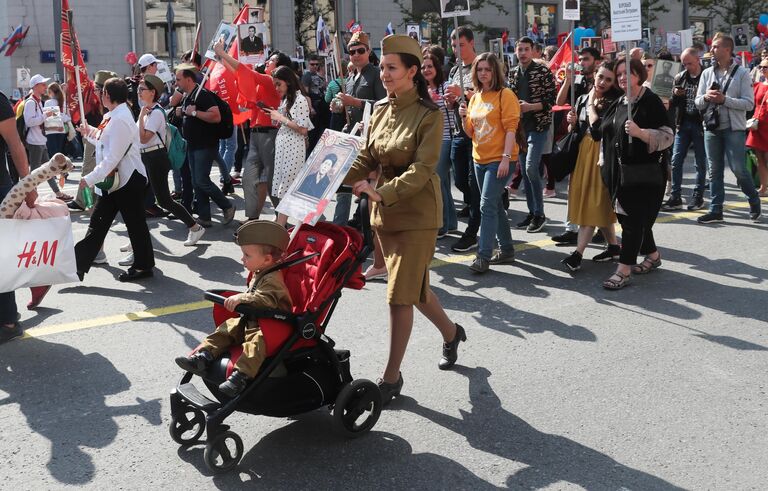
<point x="38" y="79"/>
<point x="147" y="59"/>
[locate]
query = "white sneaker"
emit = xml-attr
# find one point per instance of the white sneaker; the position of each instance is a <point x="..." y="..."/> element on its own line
<point x="375" y="273"/>
<point x="127" y="260"/>
<point x="101" y="258"/>
<point x="194" y="235"/>
<point x="126" y="248"/>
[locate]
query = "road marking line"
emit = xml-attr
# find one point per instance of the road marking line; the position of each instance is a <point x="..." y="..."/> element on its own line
<point x="36" y="332"/>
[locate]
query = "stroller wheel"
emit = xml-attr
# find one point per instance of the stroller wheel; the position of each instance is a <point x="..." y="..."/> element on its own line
<point x="187" y="427"/>
<point x="357" y="408"/>
<point x="223" y="452"/>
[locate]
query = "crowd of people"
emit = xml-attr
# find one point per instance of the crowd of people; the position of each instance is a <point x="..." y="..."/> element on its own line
<point x="486" y="127"/>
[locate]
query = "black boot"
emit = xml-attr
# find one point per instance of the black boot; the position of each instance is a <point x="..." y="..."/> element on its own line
<point x="390" y="391"/>
<point x="451" y="350"/>
<point x="234" y="384"/>
<point x="196" y="363"/>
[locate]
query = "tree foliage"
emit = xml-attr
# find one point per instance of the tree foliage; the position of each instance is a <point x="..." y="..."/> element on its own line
<point x="307" y="13"/>
<point x="428" y="12"/>
<point x="732" y="11"/>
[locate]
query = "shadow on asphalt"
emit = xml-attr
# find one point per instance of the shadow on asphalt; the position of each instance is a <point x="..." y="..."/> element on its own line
<point x="62" y="393"/>
<point x="550" y="459"/>
<point x="308" y="454"/>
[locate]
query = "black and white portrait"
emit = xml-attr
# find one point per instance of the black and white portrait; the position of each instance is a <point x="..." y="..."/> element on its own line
<point x="454" y="8"/>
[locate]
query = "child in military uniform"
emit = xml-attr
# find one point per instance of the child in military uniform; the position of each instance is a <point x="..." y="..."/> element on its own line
<point x="263" y="243"/>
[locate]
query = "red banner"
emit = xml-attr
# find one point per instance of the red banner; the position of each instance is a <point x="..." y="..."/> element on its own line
<point x="70" y="45"/>
<point x="224" y="82"/>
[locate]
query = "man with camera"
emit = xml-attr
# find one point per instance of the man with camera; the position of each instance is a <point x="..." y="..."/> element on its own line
<point x="689" y="133"/>
<point x="725" y="95"/>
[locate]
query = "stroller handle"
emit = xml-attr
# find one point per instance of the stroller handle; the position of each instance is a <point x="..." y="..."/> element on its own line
<point x="365" y="215"/>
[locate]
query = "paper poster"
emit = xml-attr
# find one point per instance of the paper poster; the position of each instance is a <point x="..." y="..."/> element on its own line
<point x="163" y="72"/>
<point x="225" y="32"/>
<point x="299" y="55"/>
<point x="414" y="31"/>
<point x="608" y="45"/>
<point x="593" y="42"/>
<point x="740" y="34"/>
<point x="22" y="78"/>
<point x="571" y="10"/>
<point x="686" y="38"/>
<point x="664" y="77"/>
<point x="454" y="8"/>
<point x="674" y="43"/>
<point x="626" y="21"/>
<point x="317" y="182"/>
<point x="496" y="48"/>
<point x="255" y="15"/>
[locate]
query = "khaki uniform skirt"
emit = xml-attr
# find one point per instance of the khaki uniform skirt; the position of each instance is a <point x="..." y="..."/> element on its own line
<point x="407" y="255"/>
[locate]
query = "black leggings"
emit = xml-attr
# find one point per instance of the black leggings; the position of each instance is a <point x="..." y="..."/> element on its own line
<point x="158" y="166"/>
<point x="642" y="204"/>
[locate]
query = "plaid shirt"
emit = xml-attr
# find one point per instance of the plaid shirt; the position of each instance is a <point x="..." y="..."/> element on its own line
<point x="541" y="85"/>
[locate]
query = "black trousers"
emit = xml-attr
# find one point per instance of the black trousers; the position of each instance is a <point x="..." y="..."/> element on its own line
<point x="129" y="202"/>
<point x="158" y="166"/>
<point x="642" y="204"/>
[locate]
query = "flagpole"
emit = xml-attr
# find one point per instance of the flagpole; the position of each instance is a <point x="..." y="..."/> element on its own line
<point x="75" y="47"/>
<point x="460" y="61"/>
<point x="573" y="68"/>
<point x="627" y="73"/>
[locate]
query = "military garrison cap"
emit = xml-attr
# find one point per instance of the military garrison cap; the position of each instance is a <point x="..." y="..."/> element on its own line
<point x="263" y="232"/>
<point x="359" y="38"/>
<point x="155" y="82"/>
<point x="401" y="44"/>
<point x="102" y="76"/>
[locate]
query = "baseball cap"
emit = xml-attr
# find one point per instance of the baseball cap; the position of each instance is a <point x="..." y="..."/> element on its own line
<point x="147" y="59"/>
<point x="38" y="79"/>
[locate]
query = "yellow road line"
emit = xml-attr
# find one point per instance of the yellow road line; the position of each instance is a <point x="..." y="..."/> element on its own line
<point x="36" y="332"/>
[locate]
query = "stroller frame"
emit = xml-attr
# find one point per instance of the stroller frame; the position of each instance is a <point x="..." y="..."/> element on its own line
<point x="352" y="399"/>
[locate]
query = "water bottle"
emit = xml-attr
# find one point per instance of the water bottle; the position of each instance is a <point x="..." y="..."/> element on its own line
<point x="87" y="197"/>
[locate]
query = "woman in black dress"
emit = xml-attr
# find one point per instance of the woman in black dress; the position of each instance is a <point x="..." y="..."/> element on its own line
<point x="633" y="169"/>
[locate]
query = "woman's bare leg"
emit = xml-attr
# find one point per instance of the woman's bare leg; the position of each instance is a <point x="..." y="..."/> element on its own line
<point x="433" y="310"/>
<point x="400" y="326"/>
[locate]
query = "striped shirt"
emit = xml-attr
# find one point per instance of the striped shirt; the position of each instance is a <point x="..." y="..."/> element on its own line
<point x="438" y="96"/>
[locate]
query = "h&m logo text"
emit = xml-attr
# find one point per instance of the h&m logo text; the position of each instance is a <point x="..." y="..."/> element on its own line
<point x="30" y="255"/>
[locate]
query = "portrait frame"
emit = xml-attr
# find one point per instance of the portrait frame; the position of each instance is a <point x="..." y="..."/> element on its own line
<point x="592" y="42"/>
<point x="226" y="31"/>
<point x="262" y="33"/>
<point x="310" y="193"/>
<point x="608" y="45"/>
<point x="741" y="38"/>
<point x="663" y="81"/>
<point x="414" y="31"/>
<point x="454" y="8"/>
<point x="255" y="15"/>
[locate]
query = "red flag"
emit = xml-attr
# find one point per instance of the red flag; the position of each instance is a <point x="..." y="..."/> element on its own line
<point x="504" y="37"/>
<point x="68" y="43"/>
<point x="561" y="59"/>
<point x="224" y="83"/>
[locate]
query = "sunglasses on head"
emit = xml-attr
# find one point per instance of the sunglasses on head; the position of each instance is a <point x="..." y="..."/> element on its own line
<point x="358" y="51"/>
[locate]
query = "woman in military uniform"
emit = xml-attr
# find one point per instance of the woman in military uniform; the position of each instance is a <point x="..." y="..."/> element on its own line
<point x="403" y="148"/>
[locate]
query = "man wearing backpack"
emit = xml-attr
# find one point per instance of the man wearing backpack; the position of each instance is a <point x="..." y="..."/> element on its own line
<point x="202" y="119"/>
<point x="34" y="119"/>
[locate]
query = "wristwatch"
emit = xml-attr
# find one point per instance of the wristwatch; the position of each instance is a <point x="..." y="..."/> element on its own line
<point x="194" y="114"/>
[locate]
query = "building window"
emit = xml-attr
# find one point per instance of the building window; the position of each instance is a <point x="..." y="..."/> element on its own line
<point x="156" y="30"/>
<point x="541" y="22"/>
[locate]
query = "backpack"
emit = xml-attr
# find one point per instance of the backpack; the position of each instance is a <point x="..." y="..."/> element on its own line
<point x="175" y="144"/>
<point x="21" y="125"/>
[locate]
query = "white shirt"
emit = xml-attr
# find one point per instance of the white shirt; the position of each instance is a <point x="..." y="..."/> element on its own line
<point x="154" y="122"/>
<point x="54" y="103"/>
<point x="117" y="146"/>
<point x="34" y="119"/>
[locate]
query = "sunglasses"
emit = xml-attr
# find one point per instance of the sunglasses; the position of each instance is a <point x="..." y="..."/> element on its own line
<point x="763" y="67"/>
<point x="142" y="89"/>
<point x="314" y="64"/>
<point x="358" y="51"/>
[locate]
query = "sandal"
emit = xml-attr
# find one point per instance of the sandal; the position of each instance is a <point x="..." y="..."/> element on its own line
<point x="611" y="284"/>
<point x="64" y="197"/>
<point x="647" y="265"/>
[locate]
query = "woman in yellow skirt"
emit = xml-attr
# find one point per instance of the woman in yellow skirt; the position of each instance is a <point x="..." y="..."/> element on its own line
<point x="589" y="204"/>
<point x="403" y="148"/>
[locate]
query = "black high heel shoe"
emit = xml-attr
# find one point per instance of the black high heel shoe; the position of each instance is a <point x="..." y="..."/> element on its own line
<point x="390" y="391"/>
<point x="451" y="350"/>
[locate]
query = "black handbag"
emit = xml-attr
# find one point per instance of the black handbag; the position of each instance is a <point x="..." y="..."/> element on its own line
<point x="632" y="175"/>
<point x="562" y="160"/>
<point x="711" y="114"/>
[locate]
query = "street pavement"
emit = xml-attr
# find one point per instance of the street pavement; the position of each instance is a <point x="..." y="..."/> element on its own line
<point x="560" y="385"/>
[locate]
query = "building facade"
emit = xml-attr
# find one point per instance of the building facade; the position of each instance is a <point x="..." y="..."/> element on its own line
<point x="109" y="29"/>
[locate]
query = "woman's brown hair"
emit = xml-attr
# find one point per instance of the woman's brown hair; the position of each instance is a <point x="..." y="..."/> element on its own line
<point x="497" y="79"/>
<point x="636" y="67"/>
<point x="56" y="89"/>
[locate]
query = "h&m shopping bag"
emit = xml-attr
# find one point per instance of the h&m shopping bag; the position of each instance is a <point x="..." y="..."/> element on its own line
<point x="36" y="253"/>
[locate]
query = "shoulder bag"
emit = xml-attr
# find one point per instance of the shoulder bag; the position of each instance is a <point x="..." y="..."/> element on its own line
<point x="711" y="115"/>
<point x="565" y="152"/>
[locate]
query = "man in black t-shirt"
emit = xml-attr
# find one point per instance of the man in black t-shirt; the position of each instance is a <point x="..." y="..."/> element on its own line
<point x="200" y="117"/>
<point x="10" y="143"/>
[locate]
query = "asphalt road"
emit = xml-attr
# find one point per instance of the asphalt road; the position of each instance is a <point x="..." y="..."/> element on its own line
<point x="561" y="384"/>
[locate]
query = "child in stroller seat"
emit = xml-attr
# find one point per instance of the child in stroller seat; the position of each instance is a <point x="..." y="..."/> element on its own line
<point x="263" y="244"/>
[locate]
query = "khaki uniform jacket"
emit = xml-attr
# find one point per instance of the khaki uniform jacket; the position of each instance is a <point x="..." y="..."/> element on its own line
<point x="404" y="138"/>
<point x="267" y="292"/>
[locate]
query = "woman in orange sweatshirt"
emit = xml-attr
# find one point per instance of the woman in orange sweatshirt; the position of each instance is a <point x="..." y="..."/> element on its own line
<point x="491" y="120"/>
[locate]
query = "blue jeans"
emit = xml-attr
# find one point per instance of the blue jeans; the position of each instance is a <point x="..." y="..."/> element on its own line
<point x="450" y="222"/>
<point x="466" y="181"/>
<point x="226" y="159"/>
<point x="689" y="134"/>
<point x="8" y="310"/>
<point x="730" y="144"/>
<point x="532" y="175"/>
<point x="200" y="163"/>
<point x="493" y="222"/>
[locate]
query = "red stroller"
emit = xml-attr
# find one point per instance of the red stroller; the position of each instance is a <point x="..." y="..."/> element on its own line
<point x="303" y="371"/>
